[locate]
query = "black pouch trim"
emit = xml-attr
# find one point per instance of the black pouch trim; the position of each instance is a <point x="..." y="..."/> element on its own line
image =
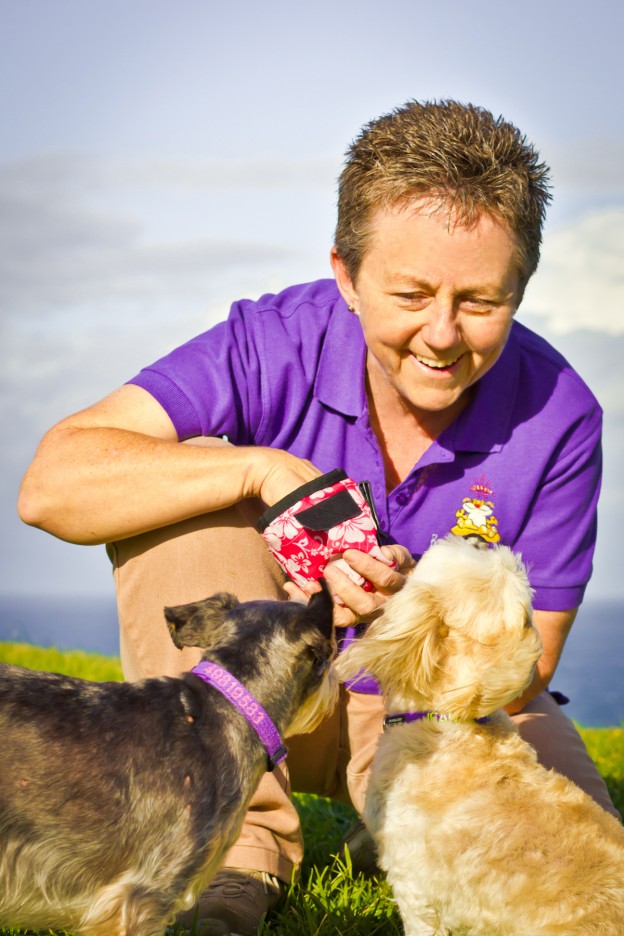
<point x="367" y="493"/>
<point x="310" y="487"/>
<point x="330" y="512"/>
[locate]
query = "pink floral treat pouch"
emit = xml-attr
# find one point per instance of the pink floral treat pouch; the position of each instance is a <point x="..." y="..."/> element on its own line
<point x="313" y="526"/>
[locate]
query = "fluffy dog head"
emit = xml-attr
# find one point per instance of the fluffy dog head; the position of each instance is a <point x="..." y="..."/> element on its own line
<point x="458" y="638"/>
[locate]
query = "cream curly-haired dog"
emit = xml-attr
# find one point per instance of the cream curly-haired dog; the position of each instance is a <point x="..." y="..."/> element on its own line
<point x="476" y="837"/>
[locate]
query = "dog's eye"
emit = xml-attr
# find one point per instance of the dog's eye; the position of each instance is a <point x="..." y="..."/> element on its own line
<point x="320" y="662"/>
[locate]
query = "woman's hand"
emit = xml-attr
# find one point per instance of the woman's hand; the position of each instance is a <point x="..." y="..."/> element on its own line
<point x="386" y="570"/>
<point x="278" y="473"/>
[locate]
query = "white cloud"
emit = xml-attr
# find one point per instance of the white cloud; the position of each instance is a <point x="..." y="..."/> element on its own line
<point x="69" y="240"/>
<point x="90" y="291"/>
<point x="198" y="175"/>
<point x="580" y="281"/>
<point x="64" y="172"/>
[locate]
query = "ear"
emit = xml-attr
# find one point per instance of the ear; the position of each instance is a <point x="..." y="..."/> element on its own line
<point x="189" y="623"/>
<point x="343" y="280"/>
<point x="404" y="648"/>
<point x="320" y="611"/>
<point x="415" y="645"/>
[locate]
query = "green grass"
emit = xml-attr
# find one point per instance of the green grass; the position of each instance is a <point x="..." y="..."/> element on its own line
<point x="328" y="900"/>
<point x="606" y="747"/>
<point x="69" y="662"/>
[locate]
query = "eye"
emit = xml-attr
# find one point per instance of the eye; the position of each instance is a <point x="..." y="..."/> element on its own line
<point x="477" y="305"/>
<point x="320" y="662"/>
<point x="413" y="300"/>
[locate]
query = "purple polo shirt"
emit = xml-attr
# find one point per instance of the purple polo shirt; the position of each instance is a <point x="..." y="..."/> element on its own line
<point x="521" y="464"/>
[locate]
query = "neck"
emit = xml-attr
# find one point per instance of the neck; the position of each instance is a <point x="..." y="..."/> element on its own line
<point x="404" y="432"/>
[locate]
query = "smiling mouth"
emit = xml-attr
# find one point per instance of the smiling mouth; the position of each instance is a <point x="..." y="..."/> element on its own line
<point x="435" y="364"/>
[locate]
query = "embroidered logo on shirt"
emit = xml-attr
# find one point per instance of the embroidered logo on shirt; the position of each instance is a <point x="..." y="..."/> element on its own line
<point x="476" y="517"/>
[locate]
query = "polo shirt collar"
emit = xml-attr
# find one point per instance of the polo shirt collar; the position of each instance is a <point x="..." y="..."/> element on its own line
<point x="339" y="382"/>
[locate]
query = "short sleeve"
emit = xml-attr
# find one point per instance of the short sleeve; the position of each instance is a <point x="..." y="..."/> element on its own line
<point x="211" y="385"/>
<point x="559" y="535"/>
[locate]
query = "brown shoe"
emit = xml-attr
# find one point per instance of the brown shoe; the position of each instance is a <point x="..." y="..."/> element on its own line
<point x="362" y="850"/>
<point x="235" y="903"/>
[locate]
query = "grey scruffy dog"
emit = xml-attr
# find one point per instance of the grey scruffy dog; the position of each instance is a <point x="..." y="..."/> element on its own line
<point x="118" y="801"/>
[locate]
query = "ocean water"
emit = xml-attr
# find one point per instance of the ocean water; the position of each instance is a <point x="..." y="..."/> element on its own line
<point x="591" y="671"/>
<point x="67" y="622"/>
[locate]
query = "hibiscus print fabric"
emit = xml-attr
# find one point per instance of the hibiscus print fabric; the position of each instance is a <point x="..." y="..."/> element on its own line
<point x="316" y="523"/>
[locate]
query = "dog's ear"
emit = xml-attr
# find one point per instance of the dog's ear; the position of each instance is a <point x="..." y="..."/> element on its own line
<point x="405" y="647"/>
<point x="429" y="650"/>
<point x="320" y="610"/>
<point x="191" y="625"/>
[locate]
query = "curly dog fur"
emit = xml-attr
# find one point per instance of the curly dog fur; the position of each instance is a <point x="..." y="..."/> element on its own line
<point x="476" y="837"/>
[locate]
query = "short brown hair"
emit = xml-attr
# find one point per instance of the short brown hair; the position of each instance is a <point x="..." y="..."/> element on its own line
<point x="457" y="153"/>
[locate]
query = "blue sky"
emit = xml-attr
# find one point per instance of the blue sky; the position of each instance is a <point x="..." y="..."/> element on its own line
<point x="161" y="159"/>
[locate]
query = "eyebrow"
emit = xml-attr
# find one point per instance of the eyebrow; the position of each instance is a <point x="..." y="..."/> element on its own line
<point x="403" y="283"/>
<point x="410" y="282"/>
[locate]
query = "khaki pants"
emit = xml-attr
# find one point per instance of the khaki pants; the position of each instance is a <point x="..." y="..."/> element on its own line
<point x="222" y="551"/>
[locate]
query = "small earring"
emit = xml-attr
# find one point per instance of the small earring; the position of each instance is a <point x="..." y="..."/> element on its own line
<point x="352" y="309"/>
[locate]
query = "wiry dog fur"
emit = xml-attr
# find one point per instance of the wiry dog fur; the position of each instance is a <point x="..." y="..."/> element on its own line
<point x="476" y="837"/>
<point x="118" y="801"/>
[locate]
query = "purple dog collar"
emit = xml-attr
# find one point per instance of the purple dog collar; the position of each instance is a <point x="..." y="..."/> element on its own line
<point x="406" y="717"/>
<point x="243" y="700"/>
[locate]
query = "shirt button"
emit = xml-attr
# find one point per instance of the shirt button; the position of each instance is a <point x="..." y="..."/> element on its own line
<point x="403" y="497"/>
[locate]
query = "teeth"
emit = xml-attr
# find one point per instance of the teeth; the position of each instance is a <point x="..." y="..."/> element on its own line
<point x="431" y="363"/>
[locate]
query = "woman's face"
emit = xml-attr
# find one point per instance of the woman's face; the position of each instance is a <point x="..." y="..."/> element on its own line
<point x="436" y="301"/>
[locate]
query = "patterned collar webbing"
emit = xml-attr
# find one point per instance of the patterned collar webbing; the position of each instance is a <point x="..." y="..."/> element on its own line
<point x="247" y="705"/>
<point x="407" y="717"/>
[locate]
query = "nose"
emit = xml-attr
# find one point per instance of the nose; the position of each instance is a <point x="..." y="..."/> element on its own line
<point x="441" y="330"/>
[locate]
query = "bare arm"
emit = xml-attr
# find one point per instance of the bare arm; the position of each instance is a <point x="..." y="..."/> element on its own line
<point x="554" y="627"/>
<point x="117" y="469"/>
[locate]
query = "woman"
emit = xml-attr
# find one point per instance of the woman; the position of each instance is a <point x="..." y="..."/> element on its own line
<point x="408" y="371"/>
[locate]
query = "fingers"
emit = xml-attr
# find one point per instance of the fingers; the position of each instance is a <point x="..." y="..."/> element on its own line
<point x="353" y="603"/>
<point x="400" y="556"/>
<point x="387" y="575"/>
<point x="295" y="593"/>
<point x="343" y="616"/>
<point x="303" y="594"/>
<point x="385" y="571"/>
